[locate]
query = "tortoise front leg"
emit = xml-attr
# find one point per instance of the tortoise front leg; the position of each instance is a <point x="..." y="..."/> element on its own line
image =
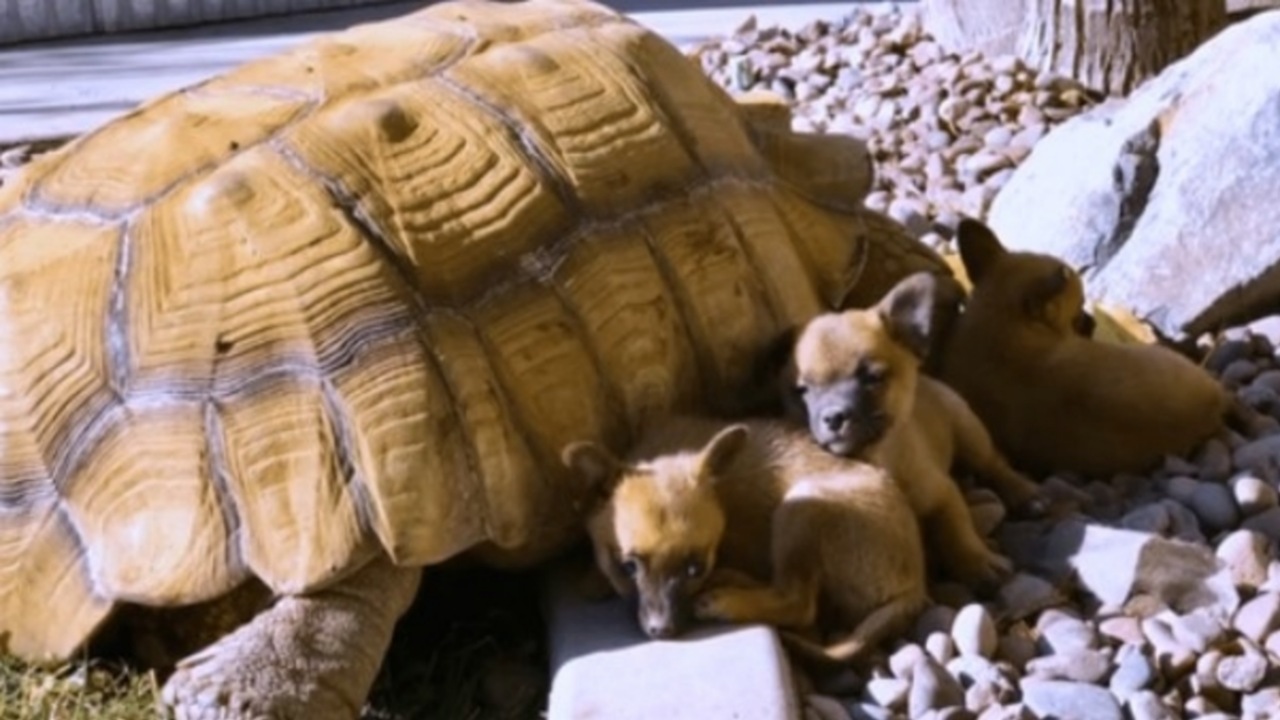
<point x="310" y="657"/>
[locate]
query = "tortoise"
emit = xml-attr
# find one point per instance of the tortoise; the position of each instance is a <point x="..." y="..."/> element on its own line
<point x="328" y="318"/>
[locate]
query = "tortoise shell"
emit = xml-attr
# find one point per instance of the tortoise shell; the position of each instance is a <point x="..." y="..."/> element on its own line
<point x="354" y="299"/>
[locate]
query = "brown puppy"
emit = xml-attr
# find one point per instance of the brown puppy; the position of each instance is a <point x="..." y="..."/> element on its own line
<point x="752" y="522"/>
<point x="857" y="376"/>
<point x="1054" y="399"/>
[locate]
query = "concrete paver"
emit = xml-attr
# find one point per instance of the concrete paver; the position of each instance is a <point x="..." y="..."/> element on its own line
<point x="604" y="667"/>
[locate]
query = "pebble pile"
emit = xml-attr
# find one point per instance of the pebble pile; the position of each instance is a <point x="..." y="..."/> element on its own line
<point x="946" y="131"/>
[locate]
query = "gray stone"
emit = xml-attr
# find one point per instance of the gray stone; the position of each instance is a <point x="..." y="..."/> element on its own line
<point x="1214" y="461"/>
<point x="1134" y="671"/>
<point x="1258" y="455"/>
<point x="1146" y="705"/>
<point x="1259" y="617"/>
<point x="1069" y="700"/>
<point x="1025" y="594"/>
<point x="1214" y="505"/>
<point x="1180" y="487"/>
<point x="974" y="632"/>
<point x="821" y="707"/>
<point x="1144" y="189"/>
<point x="935" y="618"/>
<point x="1150" y="518"/>
<point x="1266" y="522"/>
<point x="868" y="711"/>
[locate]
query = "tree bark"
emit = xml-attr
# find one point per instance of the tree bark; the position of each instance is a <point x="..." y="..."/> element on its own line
<point x="1108" y="45"/>
<point x="1113" y="45"/>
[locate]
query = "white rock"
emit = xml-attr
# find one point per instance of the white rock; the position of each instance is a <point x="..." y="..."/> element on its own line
<point x="1253" y="494"/>
<point x="974" y="632"/>
<point x="1146" y="705"/>
<point x="1241" y="673"/>
<point x="1259" y="617"/>
<point x="1245" y="554"/>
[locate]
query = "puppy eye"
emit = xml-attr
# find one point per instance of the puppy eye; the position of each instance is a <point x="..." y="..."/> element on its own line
<point x="629" y="566"/>
<point x="694" y="569"/>
<point x="874" y="376"/>
<point x="800" y="390"/>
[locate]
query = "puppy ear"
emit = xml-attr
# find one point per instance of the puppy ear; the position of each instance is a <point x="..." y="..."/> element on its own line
<point x="908" y="311"/>
<point x="595" y="465"/>
<point x="979" y="248"/>
<point x="1043" y="289"/>
<point x="721" y="450"/>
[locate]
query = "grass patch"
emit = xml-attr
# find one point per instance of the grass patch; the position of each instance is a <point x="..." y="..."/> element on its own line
<point x="81" y="690"/>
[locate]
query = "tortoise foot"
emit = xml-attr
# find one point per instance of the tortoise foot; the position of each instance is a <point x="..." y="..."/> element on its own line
<point x="311" y="657"/>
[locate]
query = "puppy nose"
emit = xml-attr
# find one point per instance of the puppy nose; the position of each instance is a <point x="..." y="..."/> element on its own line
<point x="835" y="419"/>
<point x="659" y="630"/>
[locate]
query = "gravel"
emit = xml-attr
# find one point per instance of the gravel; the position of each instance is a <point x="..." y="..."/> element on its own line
<point x="946" y="132"/>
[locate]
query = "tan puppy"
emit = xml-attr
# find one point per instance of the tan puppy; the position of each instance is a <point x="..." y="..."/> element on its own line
<point x="752" y="522"/>
<point x="857" y="376"/>
<point x="1054" y="399"/>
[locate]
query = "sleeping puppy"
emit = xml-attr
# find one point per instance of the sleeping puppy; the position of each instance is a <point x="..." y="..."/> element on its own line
<point x="1053" y="398"/>
<point x="857" y="382"/>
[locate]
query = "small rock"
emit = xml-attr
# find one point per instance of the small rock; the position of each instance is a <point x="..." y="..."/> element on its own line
<point x="974" y="632"/>
<point x="1253" y="494"/>
<point x="932" y="689"/>
<point x="1245" y="554"/>
<point x="1258" y="455"/>
<point x="940" y="647"/>
<point x="903" y="662"/>
<point x="1239" y="372"/>
<point x="1016" y="647"/>
<point x="1201" y="707"/>
<point x="1259" y="617"/>
<point x="1152" y="518"/>
<point x="822" y="707"/>
<point x="888" y="692"/>
<point x="1061" y="632"/>
<point x="1214" y="505"/>
<point x="1226" y="353"/>
<point x="1199" y="629"/>
<point x="1134" y="671"/>
<point x="935" y="618"/>
<point x="1086" y="666"/>
<point x="1180" y="487"/>
<point x="1069" y="700"/>
<point x="1214" y="461"/>
<point x="1015" y="711"/>
<point x="1172" y="656"/>
<point x="987" y="517"/>
<point x="1123" y="629"/>
<point x="1266" y="522"/>
<point x="1260" y="705"/>
<point x="1241" y="673"/>
<point x="1024" y="595"/>
<point x="1146" y="705"/>
<point x="868" y="711"/>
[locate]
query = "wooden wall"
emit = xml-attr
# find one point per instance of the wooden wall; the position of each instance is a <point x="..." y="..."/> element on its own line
<point x="22" y="20"/>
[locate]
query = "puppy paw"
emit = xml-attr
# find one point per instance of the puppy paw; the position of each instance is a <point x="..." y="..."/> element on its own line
<point x="984" y="569"/>
<point x="715" y="604"/>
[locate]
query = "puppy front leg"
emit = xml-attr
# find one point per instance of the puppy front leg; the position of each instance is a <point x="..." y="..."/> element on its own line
<point x="790" y="605"/>
<point x="955" y="541"/>
<point x="978" y="452"/>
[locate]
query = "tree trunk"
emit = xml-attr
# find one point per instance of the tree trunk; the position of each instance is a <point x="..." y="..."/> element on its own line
<point x="990" y="26"/>
<point x="1112" y="45"/>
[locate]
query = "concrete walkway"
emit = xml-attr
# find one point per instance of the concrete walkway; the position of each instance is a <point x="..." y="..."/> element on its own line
<point x="63" y="88"/>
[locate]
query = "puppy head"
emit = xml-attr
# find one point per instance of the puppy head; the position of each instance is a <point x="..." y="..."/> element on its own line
<point x="1022" y="286"/>
<point x="855" y="372"/>
<point x="657" y="534"/>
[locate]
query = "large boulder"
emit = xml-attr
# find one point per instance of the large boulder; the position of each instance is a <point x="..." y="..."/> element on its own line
<point x="1171" y="197"/>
